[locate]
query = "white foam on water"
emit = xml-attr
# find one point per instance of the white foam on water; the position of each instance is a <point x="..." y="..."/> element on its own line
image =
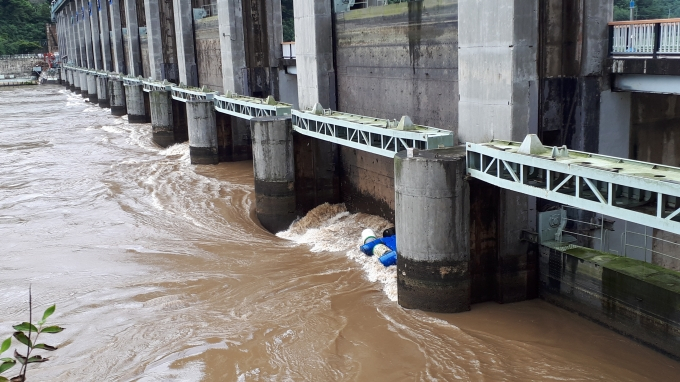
<point x="330" y="228"/>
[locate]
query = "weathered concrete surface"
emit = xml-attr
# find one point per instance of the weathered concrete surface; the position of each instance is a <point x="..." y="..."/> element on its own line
<point x="234" y="141"/>
<point x="83" y="84"/>
<point x="636" y="299"/>
<point x="432" y="214"/>
<point x="184" y="34"/>
<point x="400" y="59"/>
<point x="655" y="138"/>
<point x="497" y="69"/>
<point x="92" y="89"/>
<point x="117" y="97"/>
<point x="117" y="48"/>
<point x="105" y="35"/>
<point x="484" y="209"/>
<point x="133" y="57"/>
<point x="19" y="66"/>
<point x="572" y="54"/>
<point x="232" y="46"/>
<point x="498" y="82"/>
<point x="179" y="121"/>
<point x="208" y="53"/>
<point x="202" y="132"/>
<point x="103" y="91"/>
<point x="317" y="172"/>
<point x="314" y="47"/>
<point x="134" y="101"/>
<point x="144" y="49"/>
<point x="274" y="171"/>
<point x="367" y="182"/>
<point x="161" y="118"/>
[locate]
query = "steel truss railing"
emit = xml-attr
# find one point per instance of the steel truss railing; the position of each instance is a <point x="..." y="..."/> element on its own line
<point x="378" y="136"/>
<point x="641" y="192"/>
<point x="249" y="107"/>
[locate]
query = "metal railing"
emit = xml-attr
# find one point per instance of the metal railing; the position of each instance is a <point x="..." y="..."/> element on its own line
<point x="645" y="37"/>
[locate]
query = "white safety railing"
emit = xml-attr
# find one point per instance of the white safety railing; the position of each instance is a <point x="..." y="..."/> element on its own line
<point x="288" y="50"/>
<point x="645" y="37"/>
<point x="669" y="41"/>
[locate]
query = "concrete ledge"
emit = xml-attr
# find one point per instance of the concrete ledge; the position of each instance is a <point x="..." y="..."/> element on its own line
<point x="648" y="65"/>
<point x="631" y="297"/>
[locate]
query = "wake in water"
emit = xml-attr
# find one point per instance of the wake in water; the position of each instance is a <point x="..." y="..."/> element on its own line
<point x="331" y="228"/>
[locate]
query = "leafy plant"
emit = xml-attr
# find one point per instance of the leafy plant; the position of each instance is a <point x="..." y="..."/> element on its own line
<point x="24" y="334"/>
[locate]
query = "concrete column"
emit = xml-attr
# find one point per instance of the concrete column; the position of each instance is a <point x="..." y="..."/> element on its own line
<point x="232" y="47"/>
<point x="117" y="38"/>
<point x="498" y="82"/>
<point x="84" y="84"/>
<point x="154" y="33"/>
<point x="117" y="97"/>
<point x="314" y="47"/>
<point x="274" y="170"/>
<point x="92" y="88"/>
<point x="76" y="82"/>
<point x="104" y="34"/>
<point x="79" y="35"/>
<point x="103" y="91"/>
<point x="134" y="67"/>
<point x="161" y="118"/>
<point x="87" y="33"/>
<point x="184" y="31"/>
<point x="432" y="217"/>
<point x="134" y="100"/>
<point x="202" y="132"/>
<point x="96" y="39"/>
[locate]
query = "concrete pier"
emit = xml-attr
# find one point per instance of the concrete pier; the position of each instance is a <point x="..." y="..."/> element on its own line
<point x="432" y="213"/>
<point x="274" y="169"/>
<point x="161" y="118"/>
<point x="117" y="97"/>
<point x="202" y="132"/>
<point x="134" y="100"/>
<point x="103" y="91"/>
<point x="92" y="88"/>
<point x="83" y="84"/>
<point x="75" y="85"/>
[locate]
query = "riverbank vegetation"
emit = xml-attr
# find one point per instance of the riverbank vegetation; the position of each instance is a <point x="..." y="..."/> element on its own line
<point x="646" y="9"/>
<point x="22" y="25"/>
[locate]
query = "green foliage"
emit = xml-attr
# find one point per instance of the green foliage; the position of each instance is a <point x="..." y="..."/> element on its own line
<point x="646" y="9"/>
<point x="27" y="334"/>
<point x="22" y="25"/>
<point x="287" y="20"/>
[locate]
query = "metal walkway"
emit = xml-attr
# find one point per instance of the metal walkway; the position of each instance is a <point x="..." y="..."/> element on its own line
<point x="378" y="136"/>
<point x="635" y="191"/>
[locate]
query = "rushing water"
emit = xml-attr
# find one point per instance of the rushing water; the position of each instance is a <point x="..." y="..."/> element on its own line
<point x="160" y="272"/>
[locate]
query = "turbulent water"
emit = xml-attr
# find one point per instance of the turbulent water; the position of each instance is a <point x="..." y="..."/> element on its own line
<point x="160" y="272"/>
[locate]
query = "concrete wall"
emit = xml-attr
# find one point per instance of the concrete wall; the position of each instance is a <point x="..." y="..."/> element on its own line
<point x="208" y="55"/>
<point x="572" y="54"/>
<point x="638" y="300"/>
<point x="655" y="137"/>
<point x="367" y="182"/>
<point x="400" y="59"/>
<point x="19" y="66"/>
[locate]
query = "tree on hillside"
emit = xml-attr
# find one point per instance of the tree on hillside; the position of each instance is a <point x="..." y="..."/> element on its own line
<point x="287" y="20"/>
<point x="646" y="9"/>
<point x="22" y="25"/>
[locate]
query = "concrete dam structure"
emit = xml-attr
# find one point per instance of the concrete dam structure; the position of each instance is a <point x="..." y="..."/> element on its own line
<point x="523" y="149"/>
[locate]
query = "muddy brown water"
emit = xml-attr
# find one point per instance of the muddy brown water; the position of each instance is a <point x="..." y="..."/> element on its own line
<point x="160" y="272"/>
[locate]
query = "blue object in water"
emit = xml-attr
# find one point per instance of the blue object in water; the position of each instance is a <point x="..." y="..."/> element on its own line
<point x="390" y="242"/>
<point x="390" y="258"/>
